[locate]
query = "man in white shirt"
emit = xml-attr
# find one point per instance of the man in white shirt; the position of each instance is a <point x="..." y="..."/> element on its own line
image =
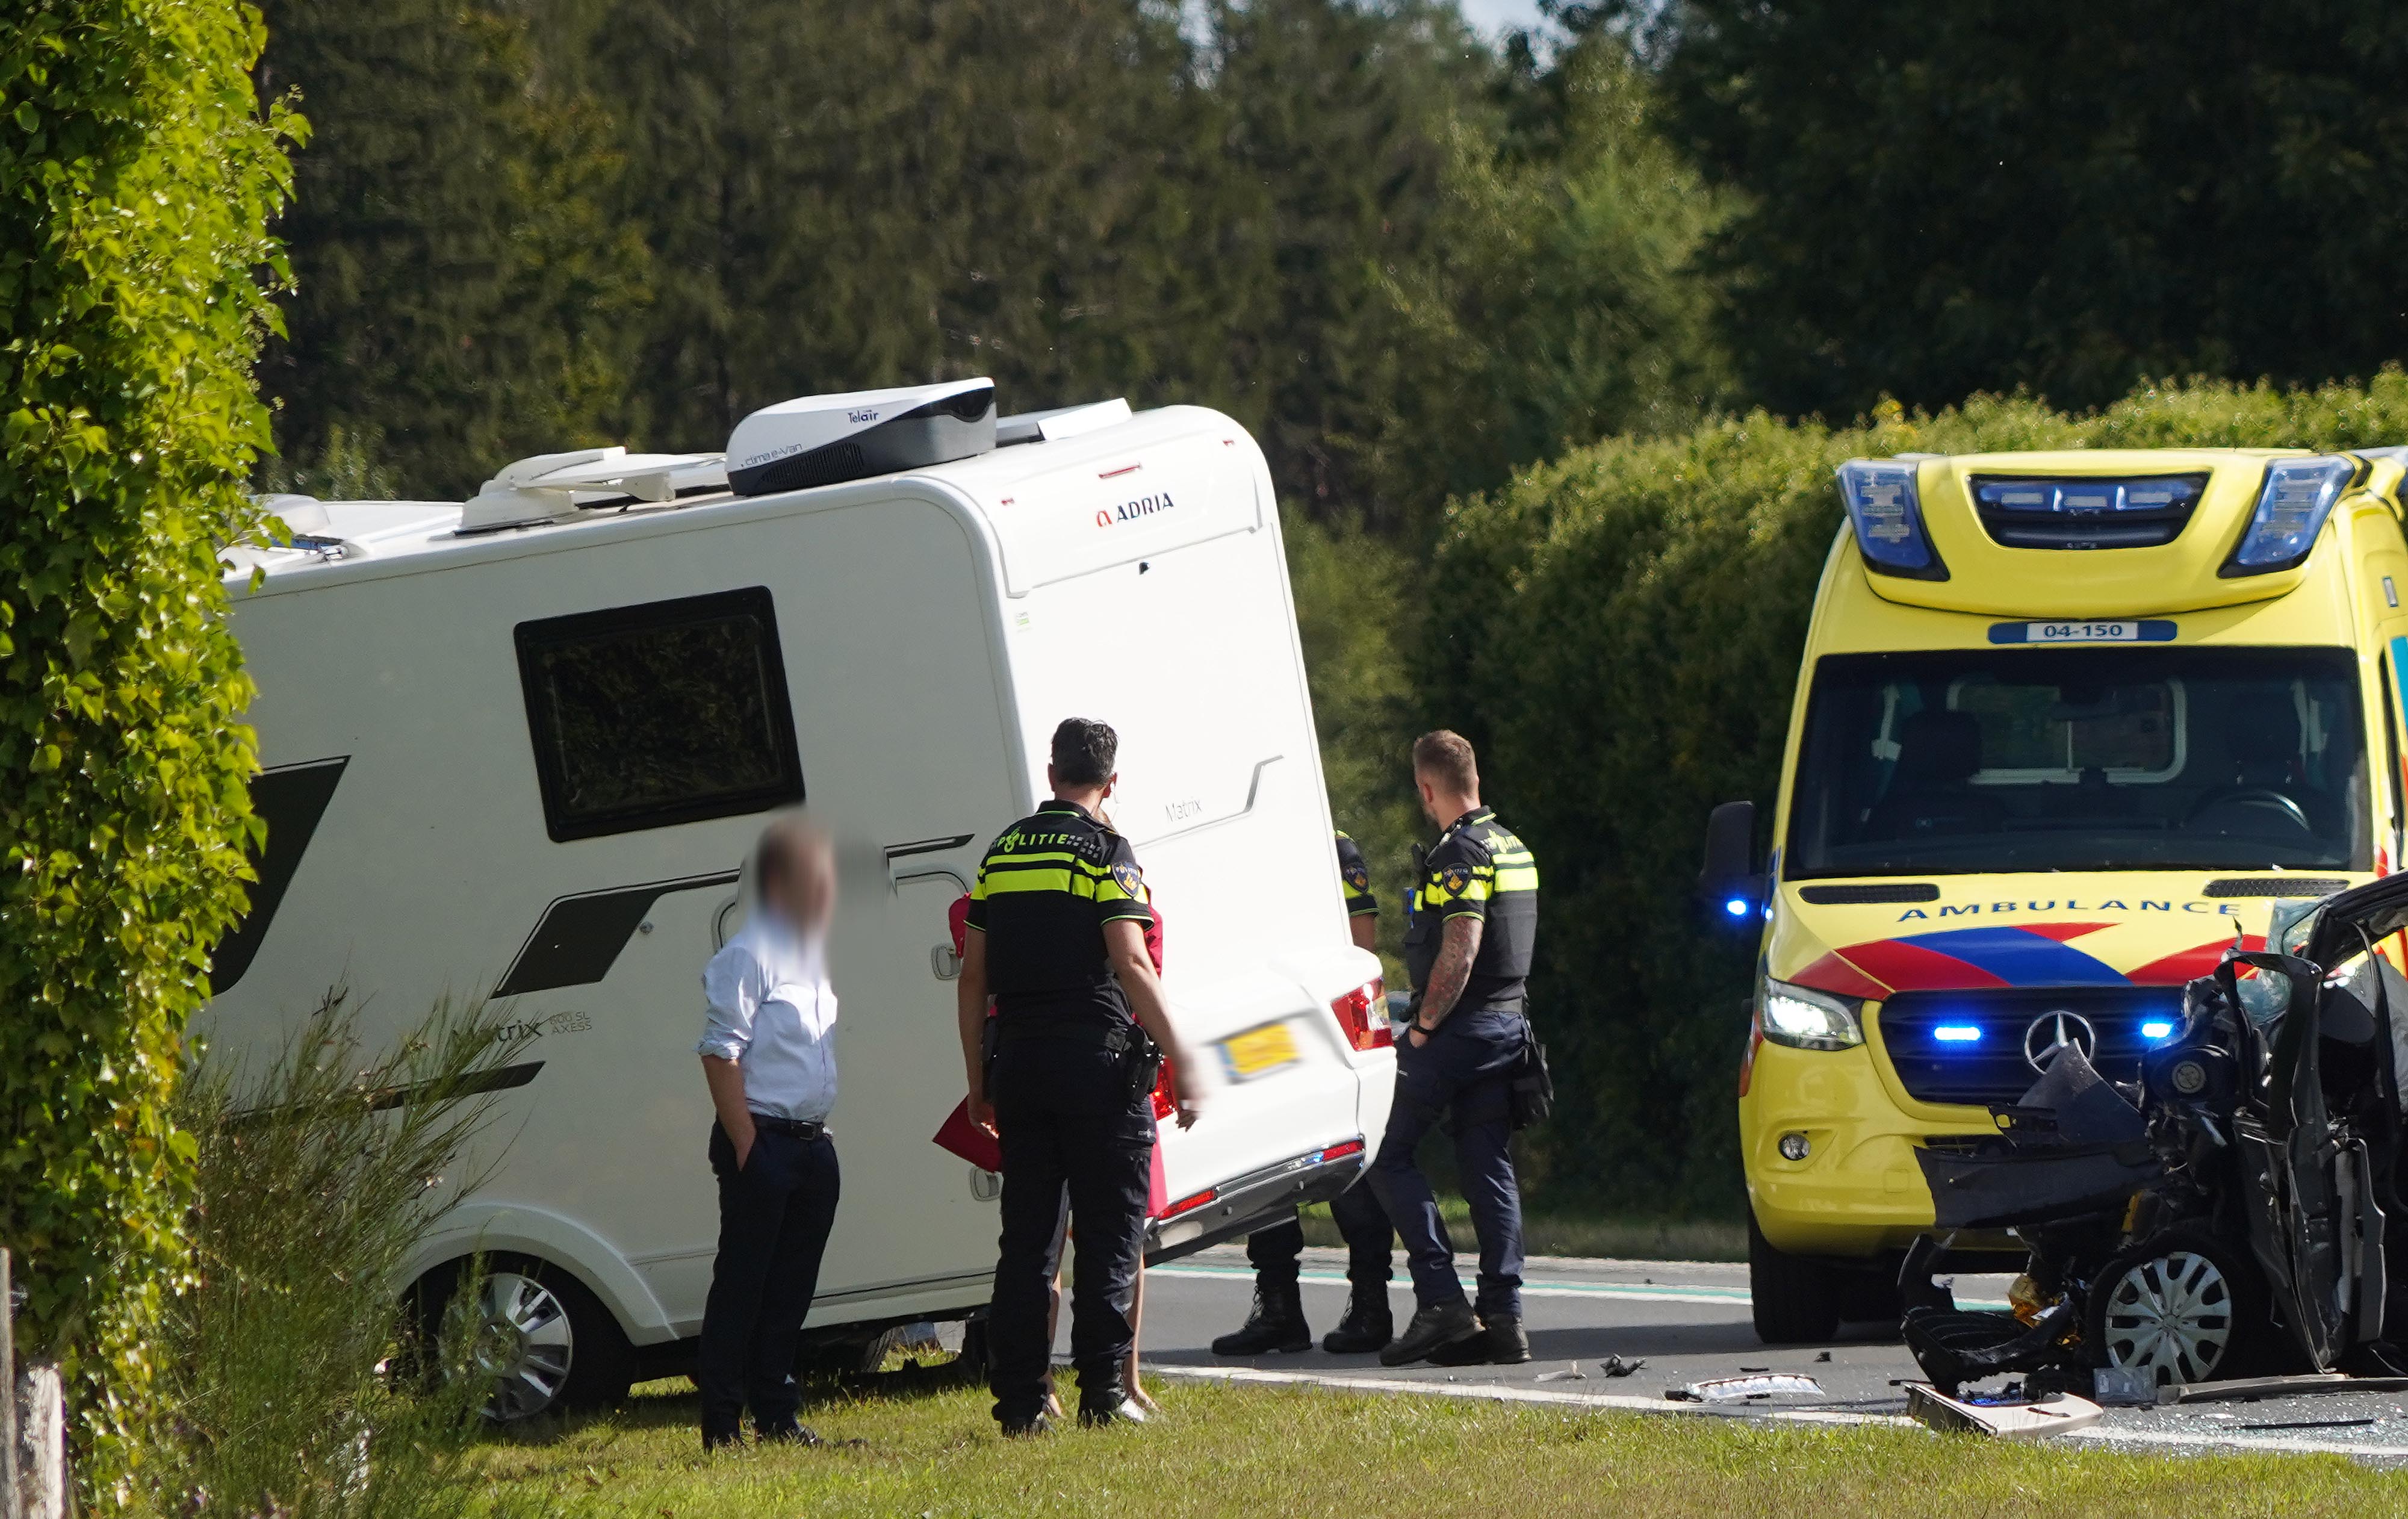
<point x="768" y="1054"/>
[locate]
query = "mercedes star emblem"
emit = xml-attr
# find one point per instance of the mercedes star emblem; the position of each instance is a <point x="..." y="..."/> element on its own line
<point x="2052" y="1031"/>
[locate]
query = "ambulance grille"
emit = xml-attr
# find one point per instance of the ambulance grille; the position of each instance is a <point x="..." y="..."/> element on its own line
<point x="1992" y="1067"/>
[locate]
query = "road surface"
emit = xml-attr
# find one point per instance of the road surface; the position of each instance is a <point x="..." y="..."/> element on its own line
<point x="1689" y="1322"/>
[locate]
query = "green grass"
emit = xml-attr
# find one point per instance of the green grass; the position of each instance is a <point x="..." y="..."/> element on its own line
<point x="1575" y="1234"/>
<point x="1225" y="1450"/>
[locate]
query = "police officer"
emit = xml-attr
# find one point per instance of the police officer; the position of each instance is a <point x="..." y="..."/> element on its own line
<point x="1467" y="943"/>
<point x="1276" y="1321"/>
<point x="1057" y="935"/>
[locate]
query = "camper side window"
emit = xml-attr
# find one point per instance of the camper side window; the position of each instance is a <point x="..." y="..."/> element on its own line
<point x="668" y="712"/>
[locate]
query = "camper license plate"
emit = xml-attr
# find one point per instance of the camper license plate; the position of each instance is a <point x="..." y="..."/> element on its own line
<point x="1259" y="1052"/>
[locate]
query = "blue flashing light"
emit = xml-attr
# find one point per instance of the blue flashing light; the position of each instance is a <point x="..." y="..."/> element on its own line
<point x="2292" y="506"/>
<point x="1885" y="505"/>
<point x="2091" y="497"/>
<point x="1736" y="906"/>
<point x="1958" y="1033"/>
<point x="2156" y="1028"/>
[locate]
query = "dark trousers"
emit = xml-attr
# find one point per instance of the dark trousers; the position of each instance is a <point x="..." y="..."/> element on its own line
<point x="1467" y="1067"/>
<point x="1362" y="1223"/>
<point x="1074" y="1136"/>
<point x="774" y="1216"/>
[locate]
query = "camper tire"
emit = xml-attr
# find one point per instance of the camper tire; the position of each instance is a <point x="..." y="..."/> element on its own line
<point x="2183" y="1304"/>
<point x="549" y="1342"/>
<point x="1795" y="1300"/>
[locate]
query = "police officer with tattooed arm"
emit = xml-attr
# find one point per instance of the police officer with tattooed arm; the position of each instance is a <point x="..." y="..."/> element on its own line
<point x="1473" y="918"/>
<point x="1057" y="927"/>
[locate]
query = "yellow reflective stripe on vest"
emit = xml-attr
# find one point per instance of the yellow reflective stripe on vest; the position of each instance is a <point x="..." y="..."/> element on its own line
<point x="1070" y="882"/>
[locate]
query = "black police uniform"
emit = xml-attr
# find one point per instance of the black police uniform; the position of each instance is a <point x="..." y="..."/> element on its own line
<point x="1480" y="868"/>
<point x="1070" y="1100"/>
<point x="1276" y="1253"/>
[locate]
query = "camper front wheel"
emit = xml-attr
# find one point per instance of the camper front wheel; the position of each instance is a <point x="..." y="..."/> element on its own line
<point x="544" y="1338"/>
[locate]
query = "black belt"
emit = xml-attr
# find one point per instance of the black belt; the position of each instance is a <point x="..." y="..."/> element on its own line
<point x="1118" y="1038"/>
<point x="793" y="1129"/>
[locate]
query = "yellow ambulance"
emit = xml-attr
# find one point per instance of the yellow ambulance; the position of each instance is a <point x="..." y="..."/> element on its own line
<point x="2066" y="726"/>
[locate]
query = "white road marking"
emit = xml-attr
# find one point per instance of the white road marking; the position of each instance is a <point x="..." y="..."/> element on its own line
<point x="1626" y="1292"/>
<point x="1629" y="1292"/>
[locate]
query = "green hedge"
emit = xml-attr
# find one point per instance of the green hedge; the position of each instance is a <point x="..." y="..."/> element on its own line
<point x="136" y="177"/>
<point x="1619" y="632"/>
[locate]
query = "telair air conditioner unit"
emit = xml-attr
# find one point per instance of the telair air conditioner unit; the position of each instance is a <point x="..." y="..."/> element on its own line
<point x="822" y="439"/>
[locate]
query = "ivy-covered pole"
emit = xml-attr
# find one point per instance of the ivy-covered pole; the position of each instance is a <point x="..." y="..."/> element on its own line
<point x="138" y="176"/>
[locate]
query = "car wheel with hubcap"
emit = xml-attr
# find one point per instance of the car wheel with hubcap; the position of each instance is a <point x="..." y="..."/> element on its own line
<point x="2181" y="1305"/>
<point x="543" y="1340"/>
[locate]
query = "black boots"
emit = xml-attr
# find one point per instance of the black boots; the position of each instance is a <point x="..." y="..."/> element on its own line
<point x="1431" y="1329"/>
<point x="1500" y="1342"/>
<point x="1365" y="1328"/>
<point x="1275" y="1324"/>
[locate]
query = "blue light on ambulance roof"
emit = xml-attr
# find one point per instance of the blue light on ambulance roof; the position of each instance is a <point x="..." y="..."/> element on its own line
<point x="2091" y="497"/>
<point x="2156" y="1028"/>
<point x="1885" y="507"/>
<point x="1959" y="1033"/>
<point x="2292" y="506"/>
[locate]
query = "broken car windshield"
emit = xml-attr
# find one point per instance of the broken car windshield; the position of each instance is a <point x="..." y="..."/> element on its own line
<point x="2079" y="759"/>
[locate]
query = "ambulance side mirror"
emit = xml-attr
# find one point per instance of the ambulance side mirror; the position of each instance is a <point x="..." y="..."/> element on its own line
<point x="1730" y="890"/>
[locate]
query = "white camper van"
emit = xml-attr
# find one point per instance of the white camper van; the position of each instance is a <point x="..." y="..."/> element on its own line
<point x="520" y="746"/>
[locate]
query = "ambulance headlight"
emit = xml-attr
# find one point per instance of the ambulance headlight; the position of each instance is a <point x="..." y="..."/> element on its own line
<point x="1886" y="507"/>
<point x="1805" y="1019"/>
<point x="2292" y="506"/>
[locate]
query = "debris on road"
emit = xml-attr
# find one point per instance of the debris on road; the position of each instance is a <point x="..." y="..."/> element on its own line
<point x="2250" y="1389"/>
<point x="1617" y="1365"/>
<point x="1569" y="1373"/>
<point x="1821" y="1355"/>
<point x="2312" y="1424"/>
<point x="2018" y="1419"/>
<point x="2124" y="1387"/>
<point x="1744" y="1389"/>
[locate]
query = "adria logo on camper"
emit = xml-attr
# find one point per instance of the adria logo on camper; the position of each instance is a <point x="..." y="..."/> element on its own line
<point x="1130" y="511"/>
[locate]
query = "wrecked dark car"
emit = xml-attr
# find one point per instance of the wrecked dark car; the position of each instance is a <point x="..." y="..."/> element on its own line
<point x="2226" y="1208"/>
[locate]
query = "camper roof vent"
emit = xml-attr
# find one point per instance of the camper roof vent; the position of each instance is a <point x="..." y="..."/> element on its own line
<point x="1060" y="423"/>
<point x="822" y="439"/>
<point x="549" y="486"/>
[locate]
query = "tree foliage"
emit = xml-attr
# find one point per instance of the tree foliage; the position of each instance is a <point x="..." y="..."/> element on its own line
<point x="463" y="295"/>
<point x="1556" y="300"/>
<point x="1630" y="662"/>
<point x="2061" y="196"/>
<point x="1406" y="263"/>
<point x="137" y="172"/>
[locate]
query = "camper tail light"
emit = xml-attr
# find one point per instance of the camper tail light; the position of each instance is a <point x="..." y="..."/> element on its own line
<point x="1885" y="507"/>
<point x="2292" y="506"/>
<point x="1342" y="1149"/>
<point x="1191" y="1203"/>
<point x="1803" y="1018"/>
<point x="1363" y="1014"/>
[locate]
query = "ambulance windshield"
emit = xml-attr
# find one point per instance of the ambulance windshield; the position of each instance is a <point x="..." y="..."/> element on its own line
<point x="2091" y="758"/>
